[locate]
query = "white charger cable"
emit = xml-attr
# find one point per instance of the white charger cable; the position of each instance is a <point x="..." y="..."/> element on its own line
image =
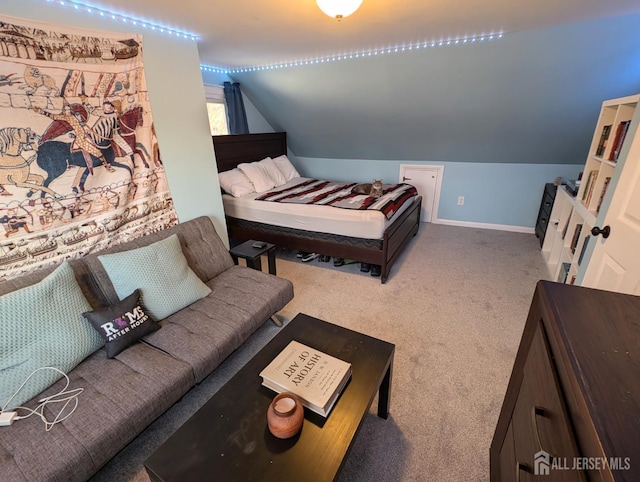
<point x="7" y="418"/>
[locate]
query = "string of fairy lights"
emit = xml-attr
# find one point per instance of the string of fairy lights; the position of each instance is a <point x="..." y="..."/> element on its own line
<point x="398" y="49"/>
<point x="358" y="54"/>
<point x="122" y="18"/>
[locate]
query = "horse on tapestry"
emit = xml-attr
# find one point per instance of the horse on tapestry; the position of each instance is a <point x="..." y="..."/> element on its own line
<point x="55" y="157"/>
<point x="14" y="168"/>
<point x="129" y="121"/>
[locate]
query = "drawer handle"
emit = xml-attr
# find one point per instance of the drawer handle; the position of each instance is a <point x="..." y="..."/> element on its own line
<point x="535" y="413"/>
<point x="521" y="467"/>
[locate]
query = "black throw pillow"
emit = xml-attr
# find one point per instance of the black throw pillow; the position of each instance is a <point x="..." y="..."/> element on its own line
<point x="122" y="323"/>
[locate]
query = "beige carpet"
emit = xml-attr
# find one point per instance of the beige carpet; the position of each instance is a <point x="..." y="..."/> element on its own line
<point x="454" y="305"/>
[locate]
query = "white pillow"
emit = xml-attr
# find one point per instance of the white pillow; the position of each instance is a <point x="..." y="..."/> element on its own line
<point x="273" y="171"/>
<point x="235" y="182"/>
<point x="258" y="175"/>
<point x="286" y="168"/>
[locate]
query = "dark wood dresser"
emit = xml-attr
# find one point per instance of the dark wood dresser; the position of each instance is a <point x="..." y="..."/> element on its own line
<point x="544" y="213"/>
<point x="574" y="392"/>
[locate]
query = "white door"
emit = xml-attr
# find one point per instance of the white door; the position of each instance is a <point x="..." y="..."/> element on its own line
<point x="427" y="180"/>
<point x="615" y="262"/>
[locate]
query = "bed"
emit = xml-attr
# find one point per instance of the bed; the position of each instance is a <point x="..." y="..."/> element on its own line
<point x="380" y="246"/>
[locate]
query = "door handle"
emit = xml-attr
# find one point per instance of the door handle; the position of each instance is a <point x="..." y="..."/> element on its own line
<point x="606" y="231"/>
<point x="406" y="179"/>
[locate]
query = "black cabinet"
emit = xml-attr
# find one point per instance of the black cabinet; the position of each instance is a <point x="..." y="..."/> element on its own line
<point x="544" y="213"/>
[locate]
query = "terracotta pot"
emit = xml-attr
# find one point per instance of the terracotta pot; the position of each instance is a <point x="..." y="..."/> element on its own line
<point x="285" y="415"/>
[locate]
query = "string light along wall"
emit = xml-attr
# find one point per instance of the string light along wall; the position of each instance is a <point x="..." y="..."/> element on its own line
<point x="360" y="54"/>
<point x="163" y="29"/>
<point x="123" y="19"/>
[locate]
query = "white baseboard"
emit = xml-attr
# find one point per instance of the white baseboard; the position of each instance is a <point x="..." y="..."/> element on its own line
<point x="498" y="227"/>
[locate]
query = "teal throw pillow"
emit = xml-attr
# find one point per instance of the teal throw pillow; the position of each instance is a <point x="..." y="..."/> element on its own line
<point x="42" y="325"/>
<point x="162" y="274"/>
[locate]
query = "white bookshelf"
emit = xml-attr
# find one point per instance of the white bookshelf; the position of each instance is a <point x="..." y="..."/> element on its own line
<point x="564" y="240"/>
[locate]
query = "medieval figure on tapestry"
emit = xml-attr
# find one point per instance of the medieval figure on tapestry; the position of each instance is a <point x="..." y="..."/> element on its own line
<point x="80" y="167"/>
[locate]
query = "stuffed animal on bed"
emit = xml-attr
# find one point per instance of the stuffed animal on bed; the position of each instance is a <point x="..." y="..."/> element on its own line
<point x="373" y="189"/>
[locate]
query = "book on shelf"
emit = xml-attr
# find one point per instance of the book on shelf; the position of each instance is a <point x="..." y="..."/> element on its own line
<point x="607" y="180"/>
<point x="602" y="144"/>
<point x="621" y="133"/>
<point x="584" y="248"/>
<point x="576" y="237"/>
<point x="566" y="224"/>
<point x="588" y="190"/>
<point x="564" y="272"/>
<point x="573" y="186"/>
<point x="587" y="184"/>
<point x="315" y="377"/>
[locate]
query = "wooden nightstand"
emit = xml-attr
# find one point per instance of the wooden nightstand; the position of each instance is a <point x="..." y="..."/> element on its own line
<point x="253" y="255"/>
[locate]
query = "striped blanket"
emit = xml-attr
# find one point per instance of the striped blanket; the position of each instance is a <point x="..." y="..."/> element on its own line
<point x="330" y="193"/>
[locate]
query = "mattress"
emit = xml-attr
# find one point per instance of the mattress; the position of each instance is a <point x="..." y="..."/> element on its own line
<point x="366" y="224"/>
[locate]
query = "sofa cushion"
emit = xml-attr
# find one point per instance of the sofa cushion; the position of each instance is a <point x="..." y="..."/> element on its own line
<point x="162" y="274"/>
<point x="206" y="332"/>
<point x="42" y="326"/>
<point x="205" y="252"/>
<point x="121" y="397"/>
<point x="122" y="323"/>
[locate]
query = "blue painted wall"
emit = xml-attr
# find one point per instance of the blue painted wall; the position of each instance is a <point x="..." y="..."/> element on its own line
<point x="503" y="117"/>
<point x="531" y="97"/>
<point x="495" y="193"/>
<point x="493" y="115"/>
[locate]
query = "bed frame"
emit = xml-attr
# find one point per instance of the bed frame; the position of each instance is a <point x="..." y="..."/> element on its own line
<point x="232" y="150"/>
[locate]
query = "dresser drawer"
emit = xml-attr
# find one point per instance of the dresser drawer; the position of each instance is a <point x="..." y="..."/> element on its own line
<point x="544" y="213"/>
<point x="547" y="202"/>
<point x="540" y="421"/>
<point x="574" y="389"/>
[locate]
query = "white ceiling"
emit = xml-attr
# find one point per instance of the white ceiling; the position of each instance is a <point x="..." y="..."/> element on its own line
<point x="238" y="33"/>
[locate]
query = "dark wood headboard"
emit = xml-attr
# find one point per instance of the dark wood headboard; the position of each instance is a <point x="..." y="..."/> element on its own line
<point x="234" y="149"/>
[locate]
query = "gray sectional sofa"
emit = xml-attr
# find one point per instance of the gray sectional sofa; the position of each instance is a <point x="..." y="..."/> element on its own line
<point x="125" y="394"/>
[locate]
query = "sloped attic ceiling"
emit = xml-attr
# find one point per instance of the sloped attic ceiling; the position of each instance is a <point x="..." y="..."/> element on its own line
<point x="531" y="97"/>
<point x="259" y="32"/>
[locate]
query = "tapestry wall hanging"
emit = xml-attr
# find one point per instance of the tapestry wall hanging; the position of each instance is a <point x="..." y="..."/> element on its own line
<point x="80" y="168"/>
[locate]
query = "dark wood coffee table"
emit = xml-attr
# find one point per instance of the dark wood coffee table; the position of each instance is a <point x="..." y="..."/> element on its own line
<point x="228" y="438"/>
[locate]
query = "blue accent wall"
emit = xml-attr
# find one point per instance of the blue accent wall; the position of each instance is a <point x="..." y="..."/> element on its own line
<point x="532" y="97"/>
<point x="495" y="193"/>
<point x="503" y="117"/>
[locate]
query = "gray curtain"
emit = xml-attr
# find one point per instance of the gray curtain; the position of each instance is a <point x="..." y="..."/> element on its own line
<point x="235" y="109"/>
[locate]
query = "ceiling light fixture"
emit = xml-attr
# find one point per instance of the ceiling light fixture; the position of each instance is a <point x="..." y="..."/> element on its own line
<point x="339" y="8"/>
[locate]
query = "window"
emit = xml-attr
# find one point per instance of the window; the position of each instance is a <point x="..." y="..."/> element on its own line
<point x="216" y="109"/>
